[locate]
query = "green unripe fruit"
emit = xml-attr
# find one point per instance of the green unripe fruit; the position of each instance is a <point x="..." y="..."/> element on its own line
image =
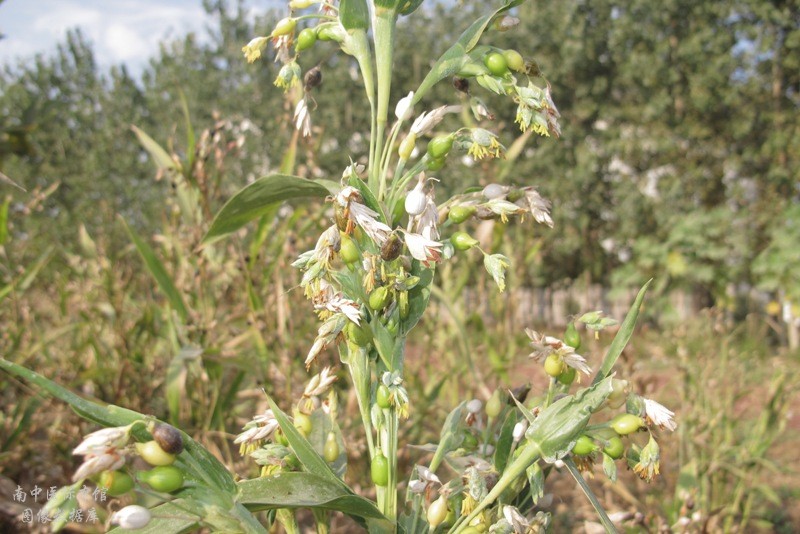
<point x="584" y="446"/>
<point x="407" y="146"/>
<point x="554" y="365"/>
<point x="437" y="512"/>
<point x="494" y="405"/>
<point x="360" y="335"/>
<point x="379" y="470"/>
<point x="168" y="438"/>
<point x="305" y="39"/>
<point x="284" y="27"/>
<point x="567" y="377"/>
<point x="280" y="438"/>
<point x="383" y="397"/>
<point x="331" y="449"/>
<point x="459" y="214"/>
<point x="435" y="164"/>
<point x="327" y="33"/>
<point x="626" y="423"/>
<point x="166" y="478"/>
<point x="463" y="241"/>
<point x="404" y="305"/>
<point x="440" y="146"/>
<point x="615" y="448"/>
<point x="470" y="442"/>
<point x="514" y="60"/>
<point x="152" y="453"/>
<point x="572" y="337"/>
<point x="496" y="63"/>
<point x="379" y="298"/>
<point x="302" y="423"/>
<point x="300" y="4"/>
<point x="348" y="250"/>
<point x="116" y="482"/>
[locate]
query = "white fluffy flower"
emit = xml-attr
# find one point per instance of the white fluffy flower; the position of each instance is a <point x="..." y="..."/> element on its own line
<point x="100" y="441"/>
<point x="428" y="120"/>
<point x="96" y="464"/>
<point x="260" y="428"/>
<point x="423" y="249"/>
<point x="659" y="415"/>
<point x="302" y="118"/>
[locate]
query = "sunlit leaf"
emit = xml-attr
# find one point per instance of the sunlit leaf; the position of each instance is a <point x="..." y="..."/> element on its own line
<point x="257" y="198"/>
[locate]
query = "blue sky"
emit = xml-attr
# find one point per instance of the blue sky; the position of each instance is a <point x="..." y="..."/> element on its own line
<point x="122" y="31"/>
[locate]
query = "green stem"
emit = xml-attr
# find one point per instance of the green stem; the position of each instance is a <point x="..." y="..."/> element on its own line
<point x="359" y="373"/>
<point x="604" y="519"/>
<point x="550" y="392"/>
<point x="384" y="25"/>
<point x="391" y="497"/>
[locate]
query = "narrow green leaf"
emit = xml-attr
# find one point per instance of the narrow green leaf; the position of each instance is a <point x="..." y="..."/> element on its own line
<point x="505" y="442"/>
<point x="305" y="452"/>
<point x="4" y="220"/>
<point x="448" y="439"/>
<point x="622" y="337"/>
<point x="304" y="490"/>
<point x="160" y="156"/>
<point x="109" y="415"/>
<point x="354" y="14"/>
<point x="257" y="198"/>
<point x="159" y="273"/>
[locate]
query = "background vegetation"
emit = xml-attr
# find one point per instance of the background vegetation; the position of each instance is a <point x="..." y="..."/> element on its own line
<point x="678" y="160"/>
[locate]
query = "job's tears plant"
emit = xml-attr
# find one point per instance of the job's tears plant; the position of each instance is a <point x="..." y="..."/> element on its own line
<point x="369" y="280"/>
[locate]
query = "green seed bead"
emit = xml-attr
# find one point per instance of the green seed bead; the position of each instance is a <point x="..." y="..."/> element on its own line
<point x="379" y="469"/>
<point x="584" y="446"/>
<point x="166" y="478"/>
<point x="494" y="405"/>
<point x="302" y="423"/>
<point x="360" y="335"/>
<point x="440" y="146"/>
<point x="514" y="60"/>
<point x="463" y="241"/>
<point x="572" y="337"/>
<point x="379" y="298"/>
<point x="437" y="512"/>
<point x="116" y="482"/>
<point x="383" y="397"/>
<point x="459" y="214"/>
<point x="331" y="449"/>
<point x="554" y="365"/>
<point x="567" y="377"/>
<point x="284" y="27"/>
<point x="152" y="453"/>
<point x="305" y="39"/>
<point x="496" y="63"/>
<point x="348" y="250"/>
<point x="615" y="448"/>
<point x="435" y="164"/>
<point x="626" y="423"/>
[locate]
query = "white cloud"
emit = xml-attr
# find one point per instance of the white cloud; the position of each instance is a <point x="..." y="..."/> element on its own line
<point x="122" y="31"/>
